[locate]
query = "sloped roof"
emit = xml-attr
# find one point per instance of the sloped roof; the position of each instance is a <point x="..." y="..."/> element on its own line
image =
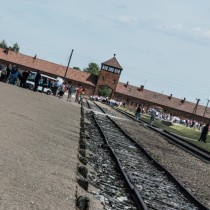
<point x="113" y="62"/>
<point x="86" y="78"/>
<point x="160" y="99"/>
<point x="48" y="67"/>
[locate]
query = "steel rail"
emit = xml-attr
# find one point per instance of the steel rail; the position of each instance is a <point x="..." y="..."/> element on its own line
<point x="179" y="137"/>
<point x="135" y="193"/>
<point x="176" y="140"/>
<point x="170" y="176"/>
<point x="185" y="145"/>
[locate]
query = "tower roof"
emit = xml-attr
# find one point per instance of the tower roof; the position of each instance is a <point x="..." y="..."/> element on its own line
<point x="113" y="63"/>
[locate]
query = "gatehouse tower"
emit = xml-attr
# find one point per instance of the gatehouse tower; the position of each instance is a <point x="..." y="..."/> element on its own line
<point x="109" y="75"/>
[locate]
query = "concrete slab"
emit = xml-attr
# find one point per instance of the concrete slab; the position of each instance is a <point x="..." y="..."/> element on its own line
<point x="38" y="150"/>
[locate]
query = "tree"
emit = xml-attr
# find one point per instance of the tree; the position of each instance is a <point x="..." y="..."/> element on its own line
<point x="14" y="48"/>
<point x="104" y="91"/>
<point x="3" y="44"/>
<point x="77" y="68"/>
<point x="92" y="68"/>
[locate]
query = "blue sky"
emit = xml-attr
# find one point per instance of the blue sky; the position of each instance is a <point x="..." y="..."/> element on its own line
<point x="163" y="44"/>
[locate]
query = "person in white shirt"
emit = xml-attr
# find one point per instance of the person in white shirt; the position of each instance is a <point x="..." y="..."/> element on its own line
<point x="152" y="116"/>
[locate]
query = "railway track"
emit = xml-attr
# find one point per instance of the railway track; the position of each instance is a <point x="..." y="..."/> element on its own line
<point x="151" y="185"/>
<point x="174" y="139"/>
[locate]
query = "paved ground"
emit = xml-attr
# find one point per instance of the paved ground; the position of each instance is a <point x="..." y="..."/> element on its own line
<point x="38" y="150"/>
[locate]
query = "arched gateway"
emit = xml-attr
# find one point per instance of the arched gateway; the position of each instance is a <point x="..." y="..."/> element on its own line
<point x="109" y="75"/>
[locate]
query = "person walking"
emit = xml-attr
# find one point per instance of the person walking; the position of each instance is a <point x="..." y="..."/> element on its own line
<point x="138" y="112"/>
<point x="37" y="79"/>
<point x="204" y="133"/>
<point x="78" y="92"/>
<point x="152" y="116"/>
<point x="81" y="97"/>
<point x="71" y="90"/>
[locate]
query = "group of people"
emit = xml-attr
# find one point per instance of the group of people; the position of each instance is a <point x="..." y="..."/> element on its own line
<point x="79" y="92"/>
<point x="152" y="113"/>
<point x="12" y="75"/>
<point x="59" y="87"/>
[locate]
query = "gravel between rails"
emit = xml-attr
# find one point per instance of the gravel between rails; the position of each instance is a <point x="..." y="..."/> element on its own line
<point x="189" y="170"/>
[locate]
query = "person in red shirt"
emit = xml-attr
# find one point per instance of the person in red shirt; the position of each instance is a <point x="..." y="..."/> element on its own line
<point x="78" y="93"/>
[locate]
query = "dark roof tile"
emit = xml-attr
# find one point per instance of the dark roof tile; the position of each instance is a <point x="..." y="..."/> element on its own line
<point x="113" y="62"/>
<point x="160" y="99"/>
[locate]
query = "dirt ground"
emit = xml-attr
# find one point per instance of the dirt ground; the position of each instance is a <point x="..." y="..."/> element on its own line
<point x="38" y="150"/>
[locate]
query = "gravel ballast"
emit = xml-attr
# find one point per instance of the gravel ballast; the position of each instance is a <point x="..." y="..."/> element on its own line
<point x="189" y="170"/>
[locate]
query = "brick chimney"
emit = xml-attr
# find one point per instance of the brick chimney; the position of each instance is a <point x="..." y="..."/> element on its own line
<point x="126" y="85"/>
<point x="170" y="97"/>
<point x="183" y="100"/>
<point x="6" y="50"/>
<point x="141" y="88"/>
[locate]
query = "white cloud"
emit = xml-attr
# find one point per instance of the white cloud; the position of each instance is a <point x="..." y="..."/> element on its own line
<point x="179" y="29"/>
<point x="124" y="19"/>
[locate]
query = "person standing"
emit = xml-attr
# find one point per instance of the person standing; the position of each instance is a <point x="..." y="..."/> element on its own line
<point x="55" y="88"/>
<point x="24" y="77"/>
<point x="123" y="104"/>
<point x="14" y="76"/>
<point x="8" y="72"/>
<point x="44" y="84"/>
<point x="204" y="133"/>
<point x="61" y="91"/>
<point x="138" y="112"/>
<point x="3" y="74"/>
<point x="152" y="116"/>
<point x="50" y="84"/>
<point x="37" y="79"/>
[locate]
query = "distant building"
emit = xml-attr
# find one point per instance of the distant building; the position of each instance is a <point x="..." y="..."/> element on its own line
<point x="109" y="76"/>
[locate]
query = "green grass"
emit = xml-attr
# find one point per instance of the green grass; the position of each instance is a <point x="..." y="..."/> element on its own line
<point x="181" y="130"/>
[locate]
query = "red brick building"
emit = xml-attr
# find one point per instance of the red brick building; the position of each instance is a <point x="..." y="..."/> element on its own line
<point x="109" y="76"/>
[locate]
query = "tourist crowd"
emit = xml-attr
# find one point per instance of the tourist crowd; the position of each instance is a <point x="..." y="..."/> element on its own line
<point x="153" y="112"/>
<point x="15" y="76"/>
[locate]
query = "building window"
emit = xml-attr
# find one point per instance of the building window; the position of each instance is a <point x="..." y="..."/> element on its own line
<point x="102" y="77"/>
<point x="113" y="82"/>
